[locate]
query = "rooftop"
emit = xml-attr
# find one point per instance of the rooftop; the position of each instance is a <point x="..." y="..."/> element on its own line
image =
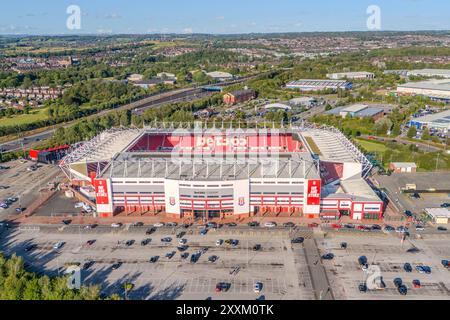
<point x="443" y="85"/>
<point x="438" y="212"/>
<point x="440" y="117"/>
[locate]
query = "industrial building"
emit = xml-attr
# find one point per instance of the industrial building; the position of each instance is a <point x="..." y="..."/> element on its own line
<point x="220" y="76"/>
<point x="358" y="111"/>
<point x="360" y="75"/>
<point x="307" y="102"/>
<point x="444" y="73"/>
<point x="438" y="90"/>
<point x="277" y="106"/>
<point x="218" y="173"/>
<point x="437" y="121"/>
<point x="403" y="167"/>
<point x="319" y="85"/>
<point x="239" y="96"/>
<point x="438" y="215"/>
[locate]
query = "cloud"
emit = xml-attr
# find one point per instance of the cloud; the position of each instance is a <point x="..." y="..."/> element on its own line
<point x="188" y="30"/>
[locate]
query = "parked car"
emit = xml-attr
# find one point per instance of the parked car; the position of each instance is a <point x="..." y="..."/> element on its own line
<point x="420" y="228"/>
<point x="445" y="205"/>
<point x="182" y="241"/>
<point x="166" y="240"/>
<point x="328" y="256"/>
<point x="362" y="260"/>
<point x="172" y="224"/>
<point x="403" y="290"/>
<point x="88" y="264"/>
<point x="150" y="231"/>
<point x="423" y="269"/>
<point x="129" y="243"/>
<point x="181" y="234"/>
<point x="253" y="224"/>
<point x="182" y="248"/>
<point x="257" y="287"/>
<point x="154" y="259"/>
<point x="446" y="263"/>
<point x="288" y="224"/>
<point x="213" y="259"/>
<point x="211" y="225"/>
<point x="170" y="255"/>
<point x="116" y="225"/>
<point x="388" y="228"/>
<point x="407" y="267"/>
<point x="158" y="225"/>
<point x="231" y="224"/>
<point x="376" y="227"/>
<point x="58" y="245"/>
<point x="234" y="243"/>
<point x="90" y="242"/>
<point x="67" y="222"/>
<point x="270" y="224"/>
<point x="203" y="232"/>
<point x="219" y="242"/>
<point x="398" y="282"/>
<point x="416" y="284"/>
<point x="145" y="242"/>
<point x="441" y="228"/>
<point x="256" y="247"/>
<point x="298" y="240"/>
<point x="116" y="265"/>
<point x="223" y="287"/>
<point x="184" y="255"/>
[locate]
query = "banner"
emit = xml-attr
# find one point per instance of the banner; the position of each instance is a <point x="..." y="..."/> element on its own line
<point x="313" y="195"/>
<point x="101" y="191"/>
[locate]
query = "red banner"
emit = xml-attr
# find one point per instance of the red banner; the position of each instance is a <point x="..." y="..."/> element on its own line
<point x="101" y="191"/>
<point x="313" y="195"/>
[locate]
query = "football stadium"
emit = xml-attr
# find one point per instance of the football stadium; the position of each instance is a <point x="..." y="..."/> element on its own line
<point x="208" y="173"/>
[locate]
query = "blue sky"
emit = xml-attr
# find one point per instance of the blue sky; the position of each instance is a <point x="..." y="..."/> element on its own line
<point x="225" y="16"/>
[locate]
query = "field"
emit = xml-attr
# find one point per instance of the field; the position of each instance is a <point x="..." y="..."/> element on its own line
<point x="370" y="146"/>
<point x="34" y="115"/>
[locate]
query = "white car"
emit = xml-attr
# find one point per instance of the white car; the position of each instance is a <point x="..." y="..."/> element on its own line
<point x="79" y="205"/>
<point x="158" y="225"/>
<point x="270" y="224"/>
<point x="58" y="245"/>
<point x="257" y="287"/>
<point x="420" y="228"/>
<point x="219" y="242"/>
<point x="116" y="225"/>
<point x="182" y="241"/>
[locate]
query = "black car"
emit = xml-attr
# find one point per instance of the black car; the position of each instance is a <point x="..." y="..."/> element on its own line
<point x="213" y="259"/>
<point x="194" y="258"/>
<point x="256" y="247"/>
<point x="138" y="224"/>
<point x="328" y="256"/>
<point x="407" y="267"/>
<point x="298" y="240"/>
<point x="253" y="224"/>
<point x="362" y="260"/>
<point x="116" y="265"/>
<point x="440" y="228"/>
<point x="398" y="282"/>
<point x="88" y="264"/>
<point x="154" y="259"/>
<point x="145" y="242"/>
<point x="403" y="290"/>
<point x="166" y="240"/>
<point x="376" y="227"/>
<point x="344" y="245"/>
<point x="129" y="243"/>
<point x="170" y="255"/>
<point x="231" y="224"/>
<point x="408" y="213"/>
<point x="182" y="248"/>
<point x="362" y="287"/>
<point x="150" y="230"/>
<point x="415" y="195"/>
<point x="184" y="255"/>
<point x="181" y="234"/>
<point x="289" y="225"/>
<point x="445" y="205"/>
<point x="67" y="222"/>
<point x="30" y="247"/>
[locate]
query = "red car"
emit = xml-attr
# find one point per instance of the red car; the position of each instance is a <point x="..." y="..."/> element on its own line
<point x="336" y="226"/>
<point x="417" y="284"/>
<point x="313" y="225"/>
<point x="222" y="287"/>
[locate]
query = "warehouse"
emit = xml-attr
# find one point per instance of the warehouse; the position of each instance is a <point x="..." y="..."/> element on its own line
<point x="438" y="215"/>
<point x="239" y="96"/>
<point x="438" y="90"/>
<point x="358" y="111"/>
<point x="360" y="75"/>
<point x="437" y="121"/>
<point x="218" y="173"/>
<point x="402" y="167"/>
<point x="443" y="73"/>
<point x="319" y="85"/>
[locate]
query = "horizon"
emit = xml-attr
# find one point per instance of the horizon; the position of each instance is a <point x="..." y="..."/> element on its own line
<point x="201" y="17"/>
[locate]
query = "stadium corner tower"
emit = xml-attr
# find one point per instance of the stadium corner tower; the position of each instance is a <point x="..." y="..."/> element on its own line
<point x="218" y="173"/>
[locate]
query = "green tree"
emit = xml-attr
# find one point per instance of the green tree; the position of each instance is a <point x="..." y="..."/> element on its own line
<point x="412" y="132"/>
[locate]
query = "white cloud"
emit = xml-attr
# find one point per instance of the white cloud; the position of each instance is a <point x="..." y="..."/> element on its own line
<point x="188" y="30"/>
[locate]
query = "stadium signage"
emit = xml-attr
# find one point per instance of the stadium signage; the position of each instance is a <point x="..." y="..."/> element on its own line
<point x="313" y="196"/>
<point x="101" y="191"/>
<point x="221" y="142"/>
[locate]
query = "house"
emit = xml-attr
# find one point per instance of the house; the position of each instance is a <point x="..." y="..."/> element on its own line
<point x="239" y="96"/>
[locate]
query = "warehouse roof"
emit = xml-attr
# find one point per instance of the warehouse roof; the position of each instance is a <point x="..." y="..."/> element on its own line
<point x="440" y="117"/>
<point x="438" y="212"/>
<point x="443" y="85"/>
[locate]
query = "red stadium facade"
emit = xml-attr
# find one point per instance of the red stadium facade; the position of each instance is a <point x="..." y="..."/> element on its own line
<point x="212" y="173"/>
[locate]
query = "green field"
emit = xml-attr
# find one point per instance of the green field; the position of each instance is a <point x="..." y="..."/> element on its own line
<point x="370" y="146"/>
<point x="34" y="115"/>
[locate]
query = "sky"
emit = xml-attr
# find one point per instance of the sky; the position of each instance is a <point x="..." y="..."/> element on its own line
<point x="219" y="17"/>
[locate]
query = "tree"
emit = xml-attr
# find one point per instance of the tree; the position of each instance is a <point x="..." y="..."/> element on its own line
<point x="426" y="134"/>
<point x="412" y="132"/>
